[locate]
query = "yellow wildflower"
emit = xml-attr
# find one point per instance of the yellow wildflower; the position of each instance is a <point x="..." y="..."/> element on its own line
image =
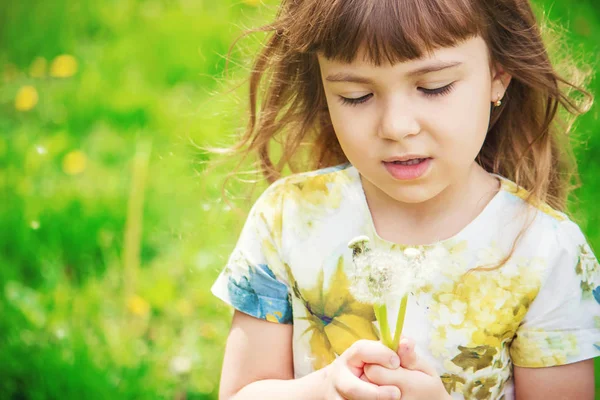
<point x="27" y="98"/>
<point x="138" y="306"/>
<point x="74" y="163"/>
<point x="38" y="68"/>
<point x="184" y="308"/>
<point x="10" y="73"/>
<point x="63" y="66"/>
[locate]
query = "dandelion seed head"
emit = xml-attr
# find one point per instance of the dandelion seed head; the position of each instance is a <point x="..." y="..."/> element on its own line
<point x="181" y="365"/>
<point x="411" y="252"/>
<point x="359" y="245"/>
<point x="379" y="274"/>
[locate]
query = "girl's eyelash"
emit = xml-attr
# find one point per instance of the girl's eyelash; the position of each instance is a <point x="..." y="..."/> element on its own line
<point x="427" y="92"/>
<point x="357" y="101"/>
<point x="439" y="91"/>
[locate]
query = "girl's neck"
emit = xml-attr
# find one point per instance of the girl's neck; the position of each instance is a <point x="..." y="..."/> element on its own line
<point x="439" y="218"/>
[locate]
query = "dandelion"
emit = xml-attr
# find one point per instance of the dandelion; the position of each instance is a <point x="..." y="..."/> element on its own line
<point x="138" y="306"/>
<point x="10" y="73"/>
<point x="26" y="99"/>
<point x="359" y="245"/>
<point x="60" y="333"/>
<point x="181" y="365"/>
<point x="63" y="66"/>
<point x="380" y="275"/>
<point x="184" y="308"/>
<point x="38" y="68"/>
<point x="74" y="162"/>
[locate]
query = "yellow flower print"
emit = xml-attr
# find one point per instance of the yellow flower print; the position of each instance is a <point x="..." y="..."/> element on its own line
<point x="452" y="382"/>
<point x="588" y="269"/>
<point x="474" y="317"/>
<point x="336" y="319"/>
<point x="275" y="317"/>
<point x="475" y="358"/>
<point x="525" y="195"/>
<point x="315" y="195"/>
<point x="322" y="190"/>
<point x="537" y="348"/>
<point x="481" y="388"/>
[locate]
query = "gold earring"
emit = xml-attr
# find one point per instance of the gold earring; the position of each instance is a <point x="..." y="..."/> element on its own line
<point x="498" y="102"/>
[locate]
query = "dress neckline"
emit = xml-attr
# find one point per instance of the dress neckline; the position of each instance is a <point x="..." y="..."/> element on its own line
<point x="490" y="209"/>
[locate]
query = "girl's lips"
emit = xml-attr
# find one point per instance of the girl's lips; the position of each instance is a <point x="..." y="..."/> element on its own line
<point x="408" y="172"/>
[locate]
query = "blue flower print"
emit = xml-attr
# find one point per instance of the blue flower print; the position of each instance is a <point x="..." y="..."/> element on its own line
<point x="261" y="295"/>
<point x="596" y="293"/>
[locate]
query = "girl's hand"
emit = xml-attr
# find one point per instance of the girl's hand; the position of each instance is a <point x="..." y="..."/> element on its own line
<point x="416" y="379"/>
<point x="343" y="375"/>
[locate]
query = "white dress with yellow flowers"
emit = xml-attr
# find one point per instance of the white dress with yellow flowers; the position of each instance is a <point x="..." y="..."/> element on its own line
<point x="292" y="263"/>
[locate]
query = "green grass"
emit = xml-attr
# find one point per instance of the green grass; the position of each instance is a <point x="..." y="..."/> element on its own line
<point x="82" y="313"/>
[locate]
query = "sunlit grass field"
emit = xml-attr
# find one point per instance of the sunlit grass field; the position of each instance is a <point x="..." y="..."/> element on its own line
<point x="112" y="230"/>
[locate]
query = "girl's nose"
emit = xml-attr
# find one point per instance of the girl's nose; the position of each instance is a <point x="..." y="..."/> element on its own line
<point x="398" y="123"/>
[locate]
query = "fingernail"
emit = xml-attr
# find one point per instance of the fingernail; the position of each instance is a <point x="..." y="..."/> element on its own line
<point x="394" y="361"/>
<point x="404" y="345"/>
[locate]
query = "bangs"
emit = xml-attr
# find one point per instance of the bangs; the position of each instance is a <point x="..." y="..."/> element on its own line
<point x="389" y="31"/>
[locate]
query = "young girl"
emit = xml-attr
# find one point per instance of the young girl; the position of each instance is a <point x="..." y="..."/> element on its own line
<point x="433" y="126"/>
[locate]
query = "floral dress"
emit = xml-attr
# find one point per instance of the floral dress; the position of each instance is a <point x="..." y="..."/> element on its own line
<point x="292" y="265"/>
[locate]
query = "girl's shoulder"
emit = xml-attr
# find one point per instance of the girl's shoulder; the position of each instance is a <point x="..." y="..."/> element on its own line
<point x="341" y="172"/>
<point x="317" y="187"/>
<point x="545" y="224"/>
<point x="523" y="196"/>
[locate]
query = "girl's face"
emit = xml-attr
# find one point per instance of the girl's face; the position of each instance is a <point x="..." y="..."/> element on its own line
<point x="413" y="129"/>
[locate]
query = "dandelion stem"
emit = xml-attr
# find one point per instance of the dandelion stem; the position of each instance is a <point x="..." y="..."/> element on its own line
<point x="399" y="323"/>
<point x="384" y="327"/>
<point x="135" y="211"/>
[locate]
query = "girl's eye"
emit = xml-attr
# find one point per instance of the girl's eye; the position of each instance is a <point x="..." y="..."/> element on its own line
<point x="357" y="101"/>
<point x="438" y="91"/>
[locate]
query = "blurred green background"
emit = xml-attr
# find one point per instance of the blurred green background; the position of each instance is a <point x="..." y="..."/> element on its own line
<point x="111" y="230"/>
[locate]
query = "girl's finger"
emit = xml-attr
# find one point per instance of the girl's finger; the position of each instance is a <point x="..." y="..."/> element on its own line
<point x="387" y="377"/>
<point x="410" y="360"/>
<point x="370" y="352"/>
<point x="350" y="387"/>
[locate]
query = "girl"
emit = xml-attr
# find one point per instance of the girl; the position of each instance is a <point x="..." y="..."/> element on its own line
<point x="433" y="127"/>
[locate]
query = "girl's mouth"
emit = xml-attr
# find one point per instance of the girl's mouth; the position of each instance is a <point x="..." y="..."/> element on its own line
<point x="408" y="169"/>
<point x="414" y="161"/>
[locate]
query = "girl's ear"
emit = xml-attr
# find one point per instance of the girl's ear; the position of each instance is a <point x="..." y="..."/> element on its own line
<point x="500" y="81"/>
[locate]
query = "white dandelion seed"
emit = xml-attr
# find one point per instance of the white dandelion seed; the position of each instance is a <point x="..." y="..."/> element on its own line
<point x="379" y="275"/>
<point x="181" y="365"/>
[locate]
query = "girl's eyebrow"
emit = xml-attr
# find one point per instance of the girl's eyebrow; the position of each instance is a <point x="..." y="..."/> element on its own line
<point x="348" y="77"/>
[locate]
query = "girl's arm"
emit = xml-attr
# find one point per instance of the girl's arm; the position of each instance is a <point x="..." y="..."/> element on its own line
<point x="571" y="381"/>
<point x="258" y="363"/>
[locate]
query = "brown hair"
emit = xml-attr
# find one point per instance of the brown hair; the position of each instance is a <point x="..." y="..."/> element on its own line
<point x="527" y="139"/>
